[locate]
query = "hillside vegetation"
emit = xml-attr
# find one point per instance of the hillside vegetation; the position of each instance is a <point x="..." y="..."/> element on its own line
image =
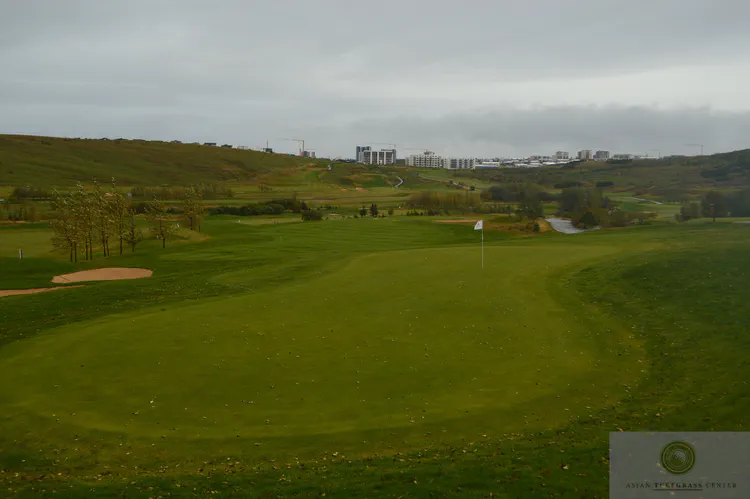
<point x="62" y="161"/>
<point x="671" y="179"/>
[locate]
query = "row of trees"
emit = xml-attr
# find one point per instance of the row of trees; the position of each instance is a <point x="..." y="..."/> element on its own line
<point x="718" y="204"/>
<point x="97" y="218"/>
<point x="84" y="218"/>
<point x="443" y="200"/>
<point x="273" y="207"/>
<point x="206" y="191"/>
<point x="18" y="212"/>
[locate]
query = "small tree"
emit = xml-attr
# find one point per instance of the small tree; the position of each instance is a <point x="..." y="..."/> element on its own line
<point x="65" y="226"/>
<point x="161" y="224"/>
<point x="374" y="210"/>
<point x="363" y="212"/>
<point x="192" y="208"/>
<point x="588" y="220"/>
<point x="119" y="208"/>
<point x="134" y="235"/>
<point x="390" y="212"/>
<point x="312" y="215"/>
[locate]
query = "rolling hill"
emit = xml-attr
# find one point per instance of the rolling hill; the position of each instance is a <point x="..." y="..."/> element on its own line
<point x="62" y="161"/>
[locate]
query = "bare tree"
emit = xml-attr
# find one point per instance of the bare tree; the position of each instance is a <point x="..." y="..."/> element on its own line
<point x="192" y="208"/>
<point x="162" y="225"/>
<point x="133" y="236"/>
<point x="65" y="226"/>
<point x="119" y="211"/>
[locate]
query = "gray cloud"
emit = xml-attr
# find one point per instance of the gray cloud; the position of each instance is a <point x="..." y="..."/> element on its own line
<point x="339" y="72"/>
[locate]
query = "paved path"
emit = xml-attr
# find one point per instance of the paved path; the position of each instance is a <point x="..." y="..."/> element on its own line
<point x="400" y="181"/>
<point x="649" y="200"/>
<point x="566" y="226"/>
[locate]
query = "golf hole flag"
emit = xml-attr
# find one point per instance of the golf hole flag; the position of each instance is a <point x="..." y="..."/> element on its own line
<point x="479" y="225"/>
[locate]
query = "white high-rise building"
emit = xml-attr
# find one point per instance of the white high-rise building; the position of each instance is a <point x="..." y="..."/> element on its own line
<point x="459" y="163"/>
<point x="562" y="156"/>
<point x="382" y="157"/>
<point x="585" y="154"/>
<point x="426" y="160"/>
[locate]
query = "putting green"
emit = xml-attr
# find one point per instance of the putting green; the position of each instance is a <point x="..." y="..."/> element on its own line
<point x="395" y="342"/>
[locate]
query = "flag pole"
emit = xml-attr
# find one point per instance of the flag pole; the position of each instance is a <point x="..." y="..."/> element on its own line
<point x="482" y="246"/>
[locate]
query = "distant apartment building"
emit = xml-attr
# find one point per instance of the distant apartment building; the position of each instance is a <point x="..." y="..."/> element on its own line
<point x="601" y="155"/>
<point x="308" y="154"/>
<point x="459" y="163"/>
<point x="382" y="157"/>
<point x="562" y="156"/>
<point x="360" y="152"/>
<point x="623" y="156"/>
<point x="585" y="154"/>
<point x="426" y="160"/>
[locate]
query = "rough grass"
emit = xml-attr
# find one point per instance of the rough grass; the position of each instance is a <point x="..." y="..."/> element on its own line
<point x="627" y="317"/>
<point x="53" y="161"/>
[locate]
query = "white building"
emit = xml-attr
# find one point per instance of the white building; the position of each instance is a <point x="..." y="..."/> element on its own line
<point x="585" y="154"/>
<point x="382" y="157"/>
<point x="562" y="156"/>
<point x="623" y="156"/>
<point x="426" y="160"/>
<point x="459" y="163"/>
<point x="601" y="155"/>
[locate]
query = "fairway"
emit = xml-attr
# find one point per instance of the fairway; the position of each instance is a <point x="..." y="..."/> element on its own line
<point x="270" y="343"/>
<point x="402" y="344"/>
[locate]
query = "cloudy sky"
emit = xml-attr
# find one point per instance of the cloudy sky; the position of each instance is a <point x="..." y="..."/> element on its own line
<point x="476" y="77"/>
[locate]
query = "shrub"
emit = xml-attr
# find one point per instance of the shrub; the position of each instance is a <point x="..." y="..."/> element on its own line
<point x="312" y="215"/>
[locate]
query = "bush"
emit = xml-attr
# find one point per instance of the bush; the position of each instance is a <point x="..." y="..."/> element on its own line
<point x="312" y="215"/>
<point x="605" y="183"/>
<point x="566" y="184"/>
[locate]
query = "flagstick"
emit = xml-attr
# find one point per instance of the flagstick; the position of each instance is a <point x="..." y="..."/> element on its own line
<point x="482" y="246"/>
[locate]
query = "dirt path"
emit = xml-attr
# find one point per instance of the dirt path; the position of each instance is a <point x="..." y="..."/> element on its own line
<point x="565" y="226"/>
<point x="110" y="274"/>
<point x="14" y="292"/>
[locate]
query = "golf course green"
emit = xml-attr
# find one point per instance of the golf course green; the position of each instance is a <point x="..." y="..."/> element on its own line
<point x="261" y="349"/>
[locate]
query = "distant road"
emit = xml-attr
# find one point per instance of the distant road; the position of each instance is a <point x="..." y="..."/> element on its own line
<point x="649" y="200"/>
<point x="400" y="181"/>
<point x="566" y="226"/>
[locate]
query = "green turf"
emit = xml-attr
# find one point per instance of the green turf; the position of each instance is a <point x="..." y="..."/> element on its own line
<point x="362" y="344"/>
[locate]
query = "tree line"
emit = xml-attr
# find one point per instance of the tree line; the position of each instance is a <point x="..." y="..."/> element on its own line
<point x="717" y="204"/>
<point x="273" y="207"/>
<point x="205" y="191"/>
<point x="97" y="218"/>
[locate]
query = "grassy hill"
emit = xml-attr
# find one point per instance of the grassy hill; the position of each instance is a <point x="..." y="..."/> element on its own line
<point x="62" y="161"/>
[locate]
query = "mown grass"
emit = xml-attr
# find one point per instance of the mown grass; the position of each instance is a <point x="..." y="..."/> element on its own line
<point x="641" y="303"/>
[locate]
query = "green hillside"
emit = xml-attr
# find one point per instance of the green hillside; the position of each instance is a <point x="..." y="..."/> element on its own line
<point x="671" y="178"/>
<point x="61" y="161"/>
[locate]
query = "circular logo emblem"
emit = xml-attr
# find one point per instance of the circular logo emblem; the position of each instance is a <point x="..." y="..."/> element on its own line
<point x="678" y="458"/>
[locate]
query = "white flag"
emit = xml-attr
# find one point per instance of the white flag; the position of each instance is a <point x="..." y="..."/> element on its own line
<point x="479" y="225"/>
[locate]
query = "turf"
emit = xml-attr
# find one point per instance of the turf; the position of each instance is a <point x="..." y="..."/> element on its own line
<point x="558" y="341"/>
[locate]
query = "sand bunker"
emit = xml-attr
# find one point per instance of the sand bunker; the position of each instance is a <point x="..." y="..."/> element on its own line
<point x="111" y="274"/>
<point x="13" y="292"/>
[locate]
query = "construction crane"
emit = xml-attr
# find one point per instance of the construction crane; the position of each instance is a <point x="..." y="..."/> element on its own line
<point x="696" y="145"/>
<point x="301" y="145"/>
<point x="423" y="149"/>
<point x="385" y="144"/>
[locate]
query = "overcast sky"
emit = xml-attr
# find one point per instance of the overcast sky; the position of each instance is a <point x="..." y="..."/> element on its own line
<point x="476" y="77"/>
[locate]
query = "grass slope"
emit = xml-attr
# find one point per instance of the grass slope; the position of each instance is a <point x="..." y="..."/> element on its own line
<point x="613" y="327"/>
<point x="48" y="161"/>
